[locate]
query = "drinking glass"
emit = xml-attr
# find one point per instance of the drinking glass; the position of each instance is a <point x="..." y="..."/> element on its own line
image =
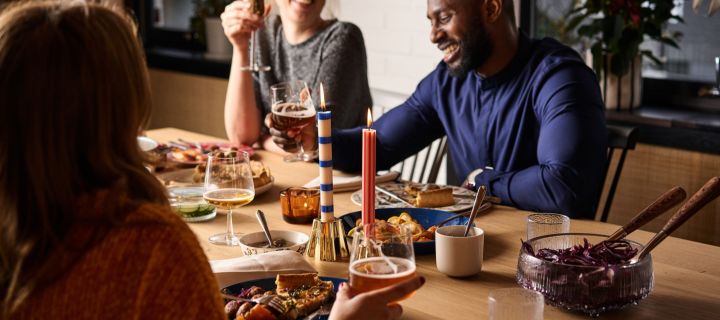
<point x="257" y="7"/>
<point x="515" y="303"/>
<point x="540" y="224"/>
<point x="383" y="259"/>
<point x="228" y="185"/>
<point x="293" y="109"/>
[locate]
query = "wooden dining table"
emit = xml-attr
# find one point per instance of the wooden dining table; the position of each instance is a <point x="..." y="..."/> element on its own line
<point x="687" y="273"/>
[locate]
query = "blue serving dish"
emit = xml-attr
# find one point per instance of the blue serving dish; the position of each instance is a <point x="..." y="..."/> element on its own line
<point x="425" y="217"/>
<point x="269" y="284"/>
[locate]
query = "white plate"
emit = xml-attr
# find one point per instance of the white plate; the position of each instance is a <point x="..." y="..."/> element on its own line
<point x="183" y="177"/>
<point x="146" y="144"/>
<point x="463" y="197"/>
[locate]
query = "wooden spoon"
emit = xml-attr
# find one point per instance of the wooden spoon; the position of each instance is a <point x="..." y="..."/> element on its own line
<point x="666" y="201"/>
<point x="707" y="193"/>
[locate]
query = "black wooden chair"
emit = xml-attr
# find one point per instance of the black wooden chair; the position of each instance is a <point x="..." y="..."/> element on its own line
<point x="424" y="166"/>
<point x="621" y="138"/>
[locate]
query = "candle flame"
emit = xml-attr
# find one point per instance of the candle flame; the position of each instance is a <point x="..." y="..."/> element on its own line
<point x="369" y="118"/>
<point x="322" y="97"/>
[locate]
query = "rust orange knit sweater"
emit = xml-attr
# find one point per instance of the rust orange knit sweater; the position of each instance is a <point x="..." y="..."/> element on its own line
<point x="149" y="267"/>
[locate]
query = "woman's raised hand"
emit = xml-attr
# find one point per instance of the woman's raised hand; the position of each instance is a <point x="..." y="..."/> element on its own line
<point x="239" y="22"/>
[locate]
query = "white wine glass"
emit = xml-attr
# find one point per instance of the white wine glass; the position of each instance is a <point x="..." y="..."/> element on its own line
<point x="293" y="109"/>
<point x="228" y="185"/>
<point x="257" y="7"/>
<point x="383" y="259"/>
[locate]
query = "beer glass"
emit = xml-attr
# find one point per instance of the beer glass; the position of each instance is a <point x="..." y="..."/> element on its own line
<point x="384" y="258"/>
<point x="293" y="109"/>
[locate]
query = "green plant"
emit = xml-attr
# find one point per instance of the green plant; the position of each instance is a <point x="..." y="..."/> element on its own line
<point x="616" y="28"/>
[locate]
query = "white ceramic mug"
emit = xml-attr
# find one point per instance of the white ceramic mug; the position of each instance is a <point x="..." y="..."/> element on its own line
<point x="459" y="256"/>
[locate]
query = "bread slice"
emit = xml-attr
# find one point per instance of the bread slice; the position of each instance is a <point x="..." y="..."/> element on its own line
<point x="435" y="198"/>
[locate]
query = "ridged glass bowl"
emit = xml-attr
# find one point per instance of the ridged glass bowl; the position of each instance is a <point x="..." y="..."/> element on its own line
<point x="589" y="289"/>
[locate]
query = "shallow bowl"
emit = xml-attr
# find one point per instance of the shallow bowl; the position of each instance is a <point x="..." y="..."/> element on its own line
<point x="298" y="241"/>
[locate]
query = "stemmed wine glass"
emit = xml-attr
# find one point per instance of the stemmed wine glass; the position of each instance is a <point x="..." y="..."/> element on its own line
<point x="385" y="258"/>
<point x="256" y="7"/>
<point x="228" y="185"/>
<point x="293" y="109"/>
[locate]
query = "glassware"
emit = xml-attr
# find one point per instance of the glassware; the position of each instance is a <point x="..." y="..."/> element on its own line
<point x="300" y="205"/>
<point x="228" y="185"/>
<point x="293" y="109"/>
<point x="590" y="289"/>
<point x="540" y="224"/>
<point x="382" y="260"/>
<point x="515" y="303"/>
<point x="256" y="7"/>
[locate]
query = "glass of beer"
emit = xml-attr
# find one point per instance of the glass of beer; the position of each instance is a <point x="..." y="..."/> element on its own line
<point x="228" y="185"/>
<point x="383" y="258"/>
<point x="292" y="110"/>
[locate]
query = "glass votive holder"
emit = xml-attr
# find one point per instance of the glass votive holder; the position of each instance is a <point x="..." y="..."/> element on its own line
<point x="515" y="303"/>
<point x="300" y="205"/>
<point x="540" y="224"/>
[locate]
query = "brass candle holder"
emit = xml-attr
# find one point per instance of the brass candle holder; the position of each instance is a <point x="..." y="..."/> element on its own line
<point x="327" y="241"/>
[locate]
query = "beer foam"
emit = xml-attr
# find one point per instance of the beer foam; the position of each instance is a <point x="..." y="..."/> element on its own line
<point x="383" y="268"/>
<point x="280" y="109"/>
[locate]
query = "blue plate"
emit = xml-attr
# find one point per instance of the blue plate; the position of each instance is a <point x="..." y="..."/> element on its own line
<point x="269" y="284"/>
<point x="425" y="217"/>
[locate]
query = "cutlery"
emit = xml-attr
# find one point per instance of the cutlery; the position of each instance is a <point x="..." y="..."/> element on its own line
<point x="178" y="145"/>
<point x="707" y="193"/>
<point x="485" y="206"/>
<point x="479" y="196"/>
<point x="192" y="144"/>
<point x="273" y="301"/>
<point x="666" y="201"/>
<point x="394" y="196"/>
<point x="263" y="223"/>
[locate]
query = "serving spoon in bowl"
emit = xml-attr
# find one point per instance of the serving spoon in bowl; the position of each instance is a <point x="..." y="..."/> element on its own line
<point x="666" y="201"/>
<point x="702" y="197"/>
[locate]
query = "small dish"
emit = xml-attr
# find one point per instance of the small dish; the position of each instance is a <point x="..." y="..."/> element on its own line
<point x="249" y="242"/>
<point x="189" y="204"/>
<point x="147" y="144"/>
<point x="425" y="217"/>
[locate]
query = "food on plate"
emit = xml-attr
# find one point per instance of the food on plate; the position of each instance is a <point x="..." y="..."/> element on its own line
<point x="393" y="224"/>
<point x="605" y="253"/>
<point x="261" y="173"/>
<point x="435" y="198"/>
<point x="187" y="155"/>
<point x="192" y="210"/>
<point x="430" y="195"/>
<point x="301" y="294"/>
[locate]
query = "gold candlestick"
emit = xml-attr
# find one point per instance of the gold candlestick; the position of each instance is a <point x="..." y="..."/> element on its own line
<point x="327" y="241"/>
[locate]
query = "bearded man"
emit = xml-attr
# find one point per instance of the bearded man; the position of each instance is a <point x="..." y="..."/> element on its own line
<point x="523" y="117"/>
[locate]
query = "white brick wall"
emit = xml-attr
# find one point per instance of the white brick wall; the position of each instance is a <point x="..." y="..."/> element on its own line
<point x="397" y="39"/>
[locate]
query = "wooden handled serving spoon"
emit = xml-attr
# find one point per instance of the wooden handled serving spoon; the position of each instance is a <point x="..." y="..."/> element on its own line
<point x="702" y="197"/>
<point x="666" y="201"/>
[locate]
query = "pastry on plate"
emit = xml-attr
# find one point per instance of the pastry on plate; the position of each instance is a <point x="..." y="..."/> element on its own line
<point x="434" y="198"/>
<point x="261" y="173"/>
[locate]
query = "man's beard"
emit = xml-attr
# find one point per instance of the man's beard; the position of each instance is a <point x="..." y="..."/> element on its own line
<point x="475" y="48"/>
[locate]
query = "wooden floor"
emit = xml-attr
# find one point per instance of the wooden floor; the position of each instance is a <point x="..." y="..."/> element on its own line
<point x="651" y="170"/>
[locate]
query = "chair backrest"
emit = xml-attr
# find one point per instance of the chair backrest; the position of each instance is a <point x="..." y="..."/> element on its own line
<point x="622" y="138"/>
<point x="423" y="167"/>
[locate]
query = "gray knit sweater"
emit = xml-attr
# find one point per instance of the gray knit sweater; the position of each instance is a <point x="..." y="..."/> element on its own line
<point x="334" y="56"/>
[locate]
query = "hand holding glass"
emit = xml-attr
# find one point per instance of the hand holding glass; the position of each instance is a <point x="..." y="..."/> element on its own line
<point x="228" y="185"/>
<point x="381" y="260"/>
<point x="293" y="109"/>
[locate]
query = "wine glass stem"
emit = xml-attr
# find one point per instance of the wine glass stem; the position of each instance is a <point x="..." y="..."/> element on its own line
<point x="230" y="228"/>
<point x="252" y="50"/>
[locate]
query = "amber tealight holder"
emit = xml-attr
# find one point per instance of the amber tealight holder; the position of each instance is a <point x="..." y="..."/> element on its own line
<point x="300" y="205"/>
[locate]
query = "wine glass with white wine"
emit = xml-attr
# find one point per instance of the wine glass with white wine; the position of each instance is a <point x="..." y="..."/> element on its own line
<point x="228" y="185"/>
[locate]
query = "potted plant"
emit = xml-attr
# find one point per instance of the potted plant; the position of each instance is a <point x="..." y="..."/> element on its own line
<point x="208" y="26"/>
<point x="614" y="30"/>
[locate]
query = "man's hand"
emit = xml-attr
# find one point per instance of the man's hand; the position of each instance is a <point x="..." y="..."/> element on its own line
<point x="291" y="139"/>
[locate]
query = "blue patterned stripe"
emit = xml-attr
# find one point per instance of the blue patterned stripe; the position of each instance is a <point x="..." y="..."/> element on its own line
<point x="324" y="115"/>
<point x="324" y="140"/>
<point x="326" y="209"/>
<point x="326" y="164"/>
<point x="326" y="187"/>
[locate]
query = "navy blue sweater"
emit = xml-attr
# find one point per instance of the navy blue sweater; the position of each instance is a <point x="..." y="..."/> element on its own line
<point x="539" y="123"/>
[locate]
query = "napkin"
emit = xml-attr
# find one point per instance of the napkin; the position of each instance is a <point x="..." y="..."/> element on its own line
<point x="266" y="265"/>
<point x="343" y="183"/>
